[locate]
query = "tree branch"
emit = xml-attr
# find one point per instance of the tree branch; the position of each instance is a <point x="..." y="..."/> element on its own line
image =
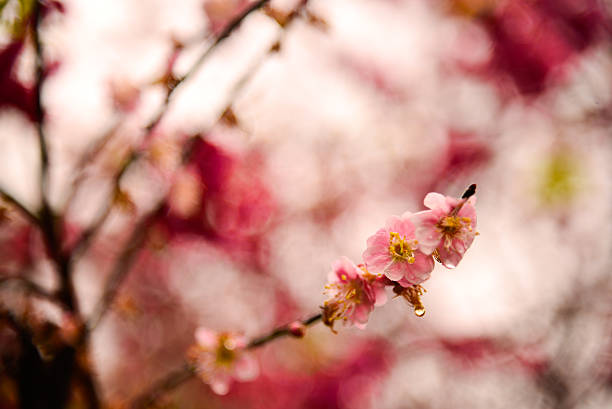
<point x="46" y="216"/>
<point x="87" y="158"/>
<point x="30" y="287"/>
<point x="121" y="268"/>
<point x="227" y="31"/>
<point x="86" y="237"/>
<point x="40" y="66"/>
<point x="187" y="370"/>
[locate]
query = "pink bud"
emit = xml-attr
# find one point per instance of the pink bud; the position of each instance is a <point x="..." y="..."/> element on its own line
<point x="297" y="329"/>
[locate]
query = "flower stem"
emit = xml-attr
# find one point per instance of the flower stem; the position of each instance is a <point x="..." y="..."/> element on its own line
<point x="281" y="332"/>
<point x="185" y="372"/>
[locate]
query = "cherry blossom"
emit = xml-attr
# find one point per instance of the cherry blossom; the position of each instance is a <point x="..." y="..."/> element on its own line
<point x="353" y="292"/>
<point x="221" y="357"/>
<point x="395" y="252"/>
<point x="448" y="229"/>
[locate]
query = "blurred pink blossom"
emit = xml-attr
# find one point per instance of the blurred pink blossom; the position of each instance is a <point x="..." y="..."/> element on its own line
<point x="222" y="198"/>
<point x="221" y="357"/>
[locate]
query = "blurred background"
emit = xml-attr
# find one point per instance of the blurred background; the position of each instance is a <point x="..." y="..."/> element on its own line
<point x="205" y="173"/>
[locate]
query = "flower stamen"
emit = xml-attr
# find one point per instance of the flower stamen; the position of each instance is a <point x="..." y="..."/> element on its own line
<point x="401" y="249"/>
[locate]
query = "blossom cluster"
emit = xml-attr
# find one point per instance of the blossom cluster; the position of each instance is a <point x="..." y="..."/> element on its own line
<point x="401" y="255"/>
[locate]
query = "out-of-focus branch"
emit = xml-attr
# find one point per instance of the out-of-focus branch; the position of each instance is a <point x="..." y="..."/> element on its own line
<point x="85" y="239"/>
<point x="239" y="86"/>
<point x="87" y="158"/>
<point x="11" y="319"/>
<point x="227" y="31"/>
<point x="182" y="374"/>
<point x="46" y="216"/>
<point x="24" y="210"/>
<point x="29" y="286"/>
<point x="44" y="154"/>
<point x="172" y="380"/>
<point x="126" y="258"/>
<point x="122" y="267"/>
<point x="89" y="233"/>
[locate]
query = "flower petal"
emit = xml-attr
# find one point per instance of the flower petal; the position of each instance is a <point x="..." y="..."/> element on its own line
<point x="206" y="338"/>
<point x="450" y="258"/>
<point x="396" y="270"/>
<point x="220" y="384"/>
<point x="246" y="368"/>
<point x="380" y="295"/>
<point x="435" y="200"/>
<point x="426" y="232"/>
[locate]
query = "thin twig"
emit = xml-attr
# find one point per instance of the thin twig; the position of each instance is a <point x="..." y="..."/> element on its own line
<point x="86" y="159"/>
<point x="122" y="267"/>
<point x="227" y="31"/>
<point x="186" y="371"/>
<point x="281" y="332"/>
<point x="31" y="287"/>
<point x="127" y="257"/>
<point x="86" y="237"/>
<point x="239" y="86"/>
<point x="97" y="147"/>
<point x="172" y="380"/>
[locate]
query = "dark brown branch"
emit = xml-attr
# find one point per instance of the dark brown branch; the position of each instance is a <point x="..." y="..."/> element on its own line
<point x="187" y="371"/>
<point x="46" y="217"/>
<point x="40" y="67"/>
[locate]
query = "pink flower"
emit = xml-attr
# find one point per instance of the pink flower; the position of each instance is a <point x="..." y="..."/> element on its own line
<point x="448" y="229"/>
<point x="395" y="252"/>
<point x="221" y="357"/>
<point x="353" y="292"/>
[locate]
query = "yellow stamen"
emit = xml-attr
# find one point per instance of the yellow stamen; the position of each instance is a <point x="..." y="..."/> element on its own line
<point x="400" y="248"/>
<point x="225" y="353"/>
<point x="452" y="227"/>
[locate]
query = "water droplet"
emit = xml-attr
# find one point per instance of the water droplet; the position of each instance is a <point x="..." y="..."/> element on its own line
<point x="419" y="312"/>
<point x="450" y="264"/>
